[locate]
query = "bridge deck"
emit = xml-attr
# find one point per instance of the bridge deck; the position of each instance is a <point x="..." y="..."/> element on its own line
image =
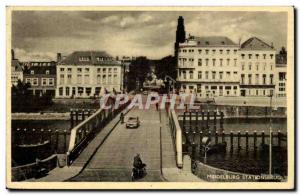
<point x="113" y="160"/>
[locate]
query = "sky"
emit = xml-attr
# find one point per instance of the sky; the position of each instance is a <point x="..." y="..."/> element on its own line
<point x="39" y="35"/>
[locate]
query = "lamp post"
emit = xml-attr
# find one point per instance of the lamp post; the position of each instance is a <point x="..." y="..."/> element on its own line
<point x="270" y="136"/>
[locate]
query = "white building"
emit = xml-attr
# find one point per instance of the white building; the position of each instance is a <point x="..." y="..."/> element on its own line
<point x="209" y="66"/>
<point x="85" y="73"/>
<point x="257" y="68"/>
<point x="16" y="72"/>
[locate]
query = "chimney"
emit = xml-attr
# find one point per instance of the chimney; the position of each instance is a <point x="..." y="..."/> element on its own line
<point x="58" y="57"/>
<point x="12" y="54"/>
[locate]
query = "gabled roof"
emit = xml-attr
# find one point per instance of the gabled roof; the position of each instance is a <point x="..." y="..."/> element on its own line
<point x="255" y="43"/>
<point x="16" y="66"/>
<point x="213" y="41"/>
<point x="92" y="56"/>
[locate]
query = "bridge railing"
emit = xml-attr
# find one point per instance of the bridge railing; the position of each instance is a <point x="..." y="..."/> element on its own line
<point x="85" y="131"/>
<point x="177" y="136"/>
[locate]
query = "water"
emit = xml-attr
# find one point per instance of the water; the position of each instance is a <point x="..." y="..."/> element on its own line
<point x="246" y="159"/>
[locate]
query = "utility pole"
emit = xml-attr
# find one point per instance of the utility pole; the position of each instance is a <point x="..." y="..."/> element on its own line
<point x="270" y="138"/>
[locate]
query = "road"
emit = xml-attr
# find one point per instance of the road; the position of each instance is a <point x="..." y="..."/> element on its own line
<point x="113" y="160"/>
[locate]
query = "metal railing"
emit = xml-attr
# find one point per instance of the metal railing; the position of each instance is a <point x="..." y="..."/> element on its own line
<point x="177" y="136"/>
<point x="85" y="131"/>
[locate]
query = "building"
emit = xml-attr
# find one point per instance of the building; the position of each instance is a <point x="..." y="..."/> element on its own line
<point x="85" y="73"/>
<point x="208" y="66"/>
<point x="42" y="79"/>
<point x="280" y="74"/>
<point x="16" y="70"/>
<point x="257" y="68"/>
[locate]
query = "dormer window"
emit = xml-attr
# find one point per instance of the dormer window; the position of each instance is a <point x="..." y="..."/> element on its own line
<point x="206" y="43"/>
<point x="47" y="72"/>
<point x="32" y="72"/>
<point x="199" y="42"/>
<point x="84" y="58"/>
<point x="223" y="43"/>
<point x="99" y="59"/>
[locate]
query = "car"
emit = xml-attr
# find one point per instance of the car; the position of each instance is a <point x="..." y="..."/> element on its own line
<point x="133" y="122"/>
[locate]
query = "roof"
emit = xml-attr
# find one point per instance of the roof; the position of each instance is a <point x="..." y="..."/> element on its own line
<point x="89" y="58"/>
<point x="41" y="70"/>
<point x="16" y="65"/>
<point x="255" y="43"/>
<point x="213" y="41"/>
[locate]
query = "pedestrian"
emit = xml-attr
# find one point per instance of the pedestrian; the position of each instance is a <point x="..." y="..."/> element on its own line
<point x="122" y="118"/>
<point x="156" y="106"/>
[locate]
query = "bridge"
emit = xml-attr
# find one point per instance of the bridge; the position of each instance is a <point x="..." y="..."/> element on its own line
<point x="101" y="148"/>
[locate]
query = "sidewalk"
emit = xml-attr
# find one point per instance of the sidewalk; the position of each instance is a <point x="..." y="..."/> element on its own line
<point x="170" y="171"/>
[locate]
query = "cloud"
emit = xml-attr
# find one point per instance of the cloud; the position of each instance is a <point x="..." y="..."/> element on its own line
<point x="133" y="33"/>
<point x="24" y="55"/>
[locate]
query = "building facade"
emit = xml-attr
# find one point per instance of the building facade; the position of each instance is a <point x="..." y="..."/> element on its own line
<point x="42" y="79"/>
<point x="257" y="68"/>
<point x="209" y="66"/>
<point x="280" y="74"/>
<point x="84" y="73"/>
<point x="16" y="72"/>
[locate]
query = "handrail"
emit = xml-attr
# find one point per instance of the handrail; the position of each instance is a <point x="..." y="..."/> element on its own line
<point x="177" y="136"/>
<point x="79" y="126"/>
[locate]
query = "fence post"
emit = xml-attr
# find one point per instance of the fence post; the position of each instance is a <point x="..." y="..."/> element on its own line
<point x="197" y="122"/>
<point x="254" y="141"/>
<point x="247" y="140"/>
<point x="56" y="141"/>
<point x="207" y="120"/>
<point x="71" y="118"/>
<point x="222" y="121"/>
<point x="184" y="120"/>
<point x="231" y="140"/>
<point x="239" y="140"/>
<point x="279" y="138"/>
<point x="223" y="137"/>
<point x="202" y="122"/>
<point x="263" y="138"/>
<point x="65" y="140"/>
<point x="216" y="137"/>
<point x="215" y="118"/>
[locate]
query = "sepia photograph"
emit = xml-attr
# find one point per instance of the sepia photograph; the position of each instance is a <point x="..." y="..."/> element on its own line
<point x="150" y="98"/>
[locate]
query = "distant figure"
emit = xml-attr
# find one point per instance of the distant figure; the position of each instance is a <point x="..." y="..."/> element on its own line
<point x="137" y="162"/>
<point x="156" y="106"/>
<point x="122" y="118"/>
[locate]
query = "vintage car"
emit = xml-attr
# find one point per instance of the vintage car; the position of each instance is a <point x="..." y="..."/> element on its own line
<point x="133" y="122"/>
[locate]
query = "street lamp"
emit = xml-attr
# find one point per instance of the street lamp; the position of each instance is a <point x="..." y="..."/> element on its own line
<point x="270" y="136"/>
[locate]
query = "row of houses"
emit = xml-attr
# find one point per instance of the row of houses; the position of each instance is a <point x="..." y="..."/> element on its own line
<point x="216" y="66"/>
<point x="81" y="74"/>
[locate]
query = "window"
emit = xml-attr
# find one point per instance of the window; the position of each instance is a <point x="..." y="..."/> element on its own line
<point x="257" y="56"/>
<point x="235" y="51"/>
<point x="115" y="79"/>
<point x="109" y="78"/>
<point x="104" y="70"/>
<point x="86" y="79"/>
<point x="250" y="79"/>
<point x="62" y="69"/>
<point x="69" y="70"/>
<point x="206" y="62"/>
<point x="250" y="56"/>
<point x="32" y="72"/>
<point x="60" y="91"/>
<point x="79" y="70"/>
<point x="243" y="56"/>
<point x="243" y="79"/>
<point x="213" y="75"/>
<point x="264" y="79"/>
<point x="67" y="91"/>
<point x="214" y="62"/>
<point x="221" y="75"/>
<point x="62" y="79"/>
<point x="228" y="51"/>
<point x="109" y="70"/>
<point x="44" y="81"/>
<point x="69" y="79"/>
<point x="221" y="62"/>
<point x="206" y="74"/>
<point x="104" y="81"/>
<point x="199" y="74"/>
<point x="228" y="62"/>
<point x="221" y="51"/>
<point x="47" y="72"/>
<point x="250" y="65"/>
<point x="86" y="70"/>
<point x="98" y="70"/>
<point x="79" y="79"/>
<point x="214" y="51"/>
<point x="257" y="66"/>
<point x="199" y="62"/>
<point x="206" y="51"/>
<point x="264" y="55"/>
<point x="115" y="70"/>
<point x="51" y="81"/>
<point x="35" y="82"/>
<point x="199" y="51"/>
<point x="98" y="79"/>
<point x="191" y="75"/>
<point x="271" y="56"/>
<point x="228" y="74"/>
<point x="257" y="79"/>
<point x="184" y="74"/>
<point x="235" y="60"/>
<point x="84" y="58"/>
<point x="271" y="79"/>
